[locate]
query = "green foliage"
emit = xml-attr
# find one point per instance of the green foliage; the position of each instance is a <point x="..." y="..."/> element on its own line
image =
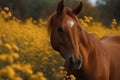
<point x="36" y="9"/>
<point x="109" y="10"/>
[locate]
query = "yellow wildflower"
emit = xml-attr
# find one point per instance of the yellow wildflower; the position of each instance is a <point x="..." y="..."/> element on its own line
<point x="40" y="75"/>
<point x="90" y="18"/>
<point x="34" y="21"/>
<point x="15" y="55"/>
<point x="10" y="59"/>
<point x="72" y="77"/>
<point x="10" y="72"/>
<point x="42" y="78"/>
<point x="87" y="20"/>
<point x="16" y="66"/>
<point x="6" y="8"/>
<point x="15" y="47"/>
<point x="33" y="77"/>
<point x="27" y="70"/>
<point x="81" y="21"/>
<point x="3" y="57"/>
<point x="3" y="13"/>
<point x="18" y="78"/>
<point x="61" y="68"/>
<point x="9" y="14"/>
<point x="8" y="46"/>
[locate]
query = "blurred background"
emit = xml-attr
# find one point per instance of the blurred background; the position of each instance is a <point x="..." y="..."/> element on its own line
<point x="100" y="10"/>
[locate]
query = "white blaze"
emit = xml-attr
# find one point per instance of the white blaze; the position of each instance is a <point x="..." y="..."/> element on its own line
<point x="71" y="23"/>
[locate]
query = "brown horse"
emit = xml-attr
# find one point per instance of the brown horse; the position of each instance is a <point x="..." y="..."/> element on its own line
<point x="86" y="57"/>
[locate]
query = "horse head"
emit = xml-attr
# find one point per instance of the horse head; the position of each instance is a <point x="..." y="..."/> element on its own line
<point x="65" y="29"/>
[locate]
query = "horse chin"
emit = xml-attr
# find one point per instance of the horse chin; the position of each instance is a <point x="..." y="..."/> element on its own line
<point x="74" y="69"/>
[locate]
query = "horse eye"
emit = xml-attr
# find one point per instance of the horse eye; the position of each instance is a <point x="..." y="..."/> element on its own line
<point x="79" y="28"/>
<point x="60" y="29"/>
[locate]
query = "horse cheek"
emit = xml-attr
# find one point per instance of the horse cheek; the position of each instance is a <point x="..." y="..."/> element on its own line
<point x="54" y="41"/>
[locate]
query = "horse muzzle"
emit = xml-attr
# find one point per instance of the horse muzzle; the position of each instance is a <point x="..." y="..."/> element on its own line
<point x="74" y="64"/>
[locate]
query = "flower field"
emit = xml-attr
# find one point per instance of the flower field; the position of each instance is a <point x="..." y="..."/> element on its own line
<point x="25" y="50"/>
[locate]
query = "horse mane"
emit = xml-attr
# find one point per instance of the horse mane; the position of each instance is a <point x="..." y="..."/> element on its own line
<point x="90" y="41"/>
<point x="50" y="23"/>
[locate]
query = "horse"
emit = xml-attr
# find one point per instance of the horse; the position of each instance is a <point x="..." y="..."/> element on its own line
<point x="86" y="56"/>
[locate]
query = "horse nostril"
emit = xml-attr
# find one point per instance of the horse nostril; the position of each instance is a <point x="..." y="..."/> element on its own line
<point x="79" y="62"/>
<point x="71" y="61"/>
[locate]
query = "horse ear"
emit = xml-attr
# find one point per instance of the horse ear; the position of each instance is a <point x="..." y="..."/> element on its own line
<point x="60" y="7"/>
<point x="78" y="8"/>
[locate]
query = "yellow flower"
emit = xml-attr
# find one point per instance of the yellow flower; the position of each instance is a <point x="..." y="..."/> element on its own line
<point x="10" y="72"/>
<point x="27" y="70"/>
<point x="16" y="66"/>
<point x="114" y="20"/>
<point x="42" y="78"/>
<point x="3" y="35"/>
<point x="90" y="18"/>
<point x="6" y="8"/>
<point x="81" y="21"/>
<point x="61" y="68"/>
<point x="87" y="20"/>
<point x="53" y="69"/>
<point x="18" y="78"/>
<point x="10" y="59"/>
<point x="33" y="77"/>
<point x="3" y="57"/>
<point x="15" y="55"/>
<point x="85" y="17"/>
<point x="72" y="77"/>
<point x="7" y="46"/>
<point x="40" y="75"/>
<point x="34" y="21"/>
<point x="114" y="23"/>
<point x="3" y="13"/>
<point x="44" y="59"/>
<point x="9" y="14"/>
<point x="15" y="48"/>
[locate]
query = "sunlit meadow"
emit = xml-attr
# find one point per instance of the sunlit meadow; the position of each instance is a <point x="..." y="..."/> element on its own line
<point x="25" y="50"/>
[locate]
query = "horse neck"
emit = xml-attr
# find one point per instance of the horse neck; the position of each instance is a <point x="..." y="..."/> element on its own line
<point x="91" y="47"/>
<point x="89" y="41"/>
